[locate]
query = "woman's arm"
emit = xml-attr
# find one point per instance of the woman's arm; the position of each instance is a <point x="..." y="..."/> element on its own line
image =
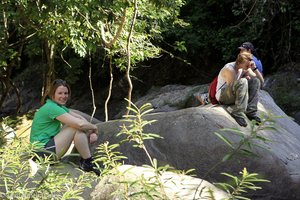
<point x="77" y="122"/>
<point x="259" y="76"/>
<point x="254" y="72"/>
<point x="76" y="115"/>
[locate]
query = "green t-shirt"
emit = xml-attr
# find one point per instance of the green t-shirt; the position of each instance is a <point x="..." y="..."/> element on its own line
<point x="45" y="125"/>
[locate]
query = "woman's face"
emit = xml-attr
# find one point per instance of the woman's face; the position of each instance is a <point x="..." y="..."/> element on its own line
<point x="61" y="95"/>
<point x="245" y="65"/>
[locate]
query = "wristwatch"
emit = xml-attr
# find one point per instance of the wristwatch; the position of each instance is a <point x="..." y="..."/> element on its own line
<point x="254" y="69"/>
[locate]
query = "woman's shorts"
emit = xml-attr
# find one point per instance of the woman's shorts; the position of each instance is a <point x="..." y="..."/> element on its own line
<point x="48" y="150"/>
<point x="50" y="146"/>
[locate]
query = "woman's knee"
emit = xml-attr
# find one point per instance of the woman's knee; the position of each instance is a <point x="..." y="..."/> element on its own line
<point x="73" y="133"/>
<point x="69" y="129"/>
<point x="66" y="134"/>
<point x="80" y="135"/>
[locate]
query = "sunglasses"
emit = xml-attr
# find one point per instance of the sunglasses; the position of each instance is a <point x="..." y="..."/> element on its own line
<point x="59" y="81"/>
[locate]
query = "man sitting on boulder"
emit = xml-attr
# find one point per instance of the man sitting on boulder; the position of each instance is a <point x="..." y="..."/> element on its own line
<point x="238" y="84"/>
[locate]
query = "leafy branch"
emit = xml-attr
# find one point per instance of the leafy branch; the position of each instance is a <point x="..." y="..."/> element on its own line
<point x="109" y="157"/>
<point x="134" y="131"/>
<point x="247" y="141"/>
<point x="22" y="178"/>
<point x="241" y="184"/>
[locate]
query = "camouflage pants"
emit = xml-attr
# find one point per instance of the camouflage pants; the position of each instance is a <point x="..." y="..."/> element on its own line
<point x="243" y="94"/>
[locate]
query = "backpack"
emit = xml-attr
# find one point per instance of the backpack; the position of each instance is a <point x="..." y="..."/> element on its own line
<point x="212" y="90"/>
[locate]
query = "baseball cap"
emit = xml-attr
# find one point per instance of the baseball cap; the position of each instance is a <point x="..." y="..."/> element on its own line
<point x="247" y="45"/>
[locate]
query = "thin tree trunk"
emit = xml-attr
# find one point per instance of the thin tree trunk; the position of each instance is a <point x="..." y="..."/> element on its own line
<point x="91" y="87"/>
<point x="130" y="87"/>
<point x="109" y="44"/>
<point x="49" y="51"/>
<point x="109" y="90"/>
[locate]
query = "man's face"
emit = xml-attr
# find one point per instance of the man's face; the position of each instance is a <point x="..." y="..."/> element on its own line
<point x="245" y="50"/>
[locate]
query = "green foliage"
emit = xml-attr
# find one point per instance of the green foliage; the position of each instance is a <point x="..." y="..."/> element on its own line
<point x="6" y="128"/>
<point x="84" y="26"/>
<point x="248" y="140"/>
<point x="151" y="188"/>
<point x="11" y="121"/>
<point x="109" y="157"/>
<point x="21" y="178"/>
<point x="140" y="188"/>
<point x="240" y="185"/>
<point x="217" y="28"/>
<point x="134" y="131"/>
<point x="180" y="46"/>
<point x="245" y="147"/>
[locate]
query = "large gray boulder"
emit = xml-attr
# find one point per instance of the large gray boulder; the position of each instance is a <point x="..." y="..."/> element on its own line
<point x="127" y="179"/>
<point x="171" y="98"/>
<point x="284" y="87"/>
<point x="189" y="142"/>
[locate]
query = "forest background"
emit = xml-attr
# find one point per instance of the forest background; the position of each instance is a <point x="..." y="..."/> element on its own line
<point x="111" y="50"/>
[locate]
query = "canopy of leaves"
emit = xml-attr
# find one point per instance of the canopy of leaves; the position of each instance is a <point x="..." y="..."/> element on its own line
<point x="217" y="28"/>
<point x="203" y="33"/>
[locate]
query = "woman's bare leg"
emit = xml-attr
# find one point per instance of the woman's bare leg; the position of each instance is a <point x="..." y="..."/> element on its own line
<point x="64" y="139"/>
<point x="82" y="144"/>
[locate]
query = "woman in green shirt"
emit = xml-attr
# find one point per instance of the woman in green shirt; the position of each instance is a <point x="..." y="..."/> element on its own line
<point x="55" y="127"/>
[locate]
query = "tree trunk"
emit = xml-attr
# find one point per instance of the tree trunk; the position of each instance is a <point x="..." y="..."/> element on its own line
<point x="109" y="90"/>
<point x="91" y="87"/>
<point x="130" y="87"/>
<point x="49" y="77"/>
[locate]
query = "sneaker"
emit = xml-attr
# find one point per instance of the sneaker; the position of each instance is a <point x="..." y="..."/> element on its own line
<point x="255" y="118"/>
<point x="203" y="99"/>
<point x="241" y="121"/>
<point x="87" y="165"/>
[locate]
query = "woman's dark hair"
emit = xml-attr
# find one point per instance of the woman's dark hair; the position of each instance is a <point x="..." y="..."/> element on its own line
<point x="55" y="84"/>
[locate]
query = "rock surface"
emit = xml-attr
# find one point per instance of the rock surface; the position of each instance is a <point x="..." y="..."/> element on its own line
<point x="175" y="186"/>
<point x="189" y="142"/>
<point x="284" y="87"/>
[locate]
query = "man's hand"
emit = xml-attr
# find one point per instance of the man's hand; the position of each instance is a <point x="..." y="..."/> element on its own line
<point x="252" y="65"/>
<point x="249" y="72"/>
